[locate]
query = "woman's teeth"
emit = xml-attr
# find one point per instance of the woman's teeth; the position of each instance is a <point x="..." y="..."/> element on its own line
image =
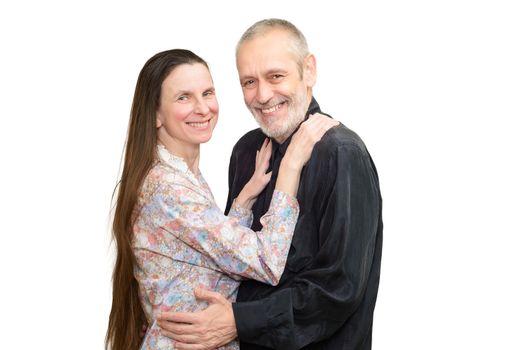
<point x="199" y="125"/>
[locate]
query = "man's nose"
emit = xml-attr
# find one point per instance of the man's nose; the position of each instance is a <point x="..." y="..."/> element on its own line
<point x="264" y="92"/>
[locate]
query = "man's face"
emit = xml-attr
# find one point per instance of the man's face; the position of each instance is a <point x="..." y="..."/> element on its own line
<point x="273" y="89"/>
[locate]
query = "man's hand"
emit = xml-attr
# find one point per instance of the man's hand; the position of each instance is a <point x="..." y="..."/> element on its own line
<point x="207" y="329"/>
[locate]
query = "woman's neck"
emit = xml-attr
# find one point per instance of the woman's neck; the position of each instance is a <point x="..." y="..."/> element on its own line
<point x="190" y="154"/>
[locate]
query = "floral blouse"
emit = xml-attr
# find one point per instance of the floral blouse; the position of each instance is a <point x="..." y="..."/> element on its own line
<point x="182" y="241"/>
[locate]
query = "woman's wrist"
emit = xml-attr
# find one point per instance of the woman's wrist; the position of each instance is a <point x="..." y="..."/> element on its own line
<point x="289" y="175"/>
<point x="244" y="200"/>
<point x="291" y="164"/>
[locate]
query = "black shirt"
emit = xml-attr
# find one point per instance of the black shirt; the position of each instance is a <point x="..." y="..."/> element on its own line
<point x="326" y="296"/>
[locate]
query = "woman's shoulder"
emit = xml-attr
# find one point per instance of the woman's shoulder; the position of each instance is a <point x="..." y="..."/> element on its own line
<point x="162" y="177"/>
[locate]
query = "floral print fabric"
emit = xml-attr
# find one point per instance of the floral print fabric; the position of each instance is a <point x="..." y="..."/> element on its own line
<point x="183" y="241"/>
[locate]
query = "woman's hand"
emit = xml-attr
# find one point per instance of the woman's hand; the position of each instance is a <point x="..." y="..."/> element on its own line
<point x="260" y="178"/>
<point x="299" y="151"/>
<point x="297" y="154"/>
<point x="303" y="141"/>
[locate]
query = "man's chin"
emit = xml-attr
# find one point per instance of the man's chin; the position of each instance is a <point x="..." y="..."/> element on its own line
<point x="266" y="131"/>
<point x="273" y="130"/>
<point x="278" y="135"/>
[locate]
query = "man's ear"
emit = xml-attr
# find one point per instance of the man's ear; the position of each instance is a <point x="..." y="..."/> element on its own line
<point x="310" y="70"/>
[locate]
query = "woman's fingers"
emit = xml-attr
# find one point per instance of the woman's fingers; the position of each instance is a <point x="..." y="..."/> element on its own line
<point x="309" y="133"/>
<point x="263" y="156"/>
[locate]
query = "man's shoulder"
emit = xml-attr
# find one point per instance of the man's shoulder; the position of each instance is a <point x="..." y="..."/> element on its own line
<point x="340" y="137"/>
<point x="251" y="140"/>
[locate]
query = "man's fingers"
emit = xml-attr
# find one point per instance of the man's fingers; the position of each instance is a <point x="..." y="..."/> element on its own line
<point x="178" y="328"/>
<point x="186" y="346"/>
<point x="207" y="295"/>
<point x="178" y="317"/>
<point x="185" y="342"/>
<point x="181" y="338"/>
<point x="182" y="346"/>
<point x="211" y="327"/>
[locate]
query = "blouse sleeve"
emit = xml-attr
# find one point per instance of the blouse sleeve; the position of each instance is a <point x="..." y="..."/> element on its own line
<point x="243" y="215"/>
<point x="238" y="251"/>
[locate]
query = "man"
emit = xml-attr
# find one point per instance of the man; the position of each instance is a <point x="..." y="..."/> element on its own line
<point x="326" y="296"/>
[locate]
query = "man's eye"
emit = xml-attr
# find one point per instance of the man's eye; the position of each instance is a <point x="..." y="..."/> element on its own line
<point x="209" y="93"/>
<point x="182" y="98"/>
<point x="248" y="83"/>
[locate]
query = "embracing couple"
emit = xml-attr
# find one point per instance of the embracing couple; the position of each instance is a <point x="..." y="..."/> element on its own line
<point x="294" y="263"/>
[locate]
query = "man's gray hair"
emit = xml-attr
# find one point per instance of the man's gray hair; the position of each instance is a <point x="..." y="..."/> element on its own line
<point x="298" y="44"/>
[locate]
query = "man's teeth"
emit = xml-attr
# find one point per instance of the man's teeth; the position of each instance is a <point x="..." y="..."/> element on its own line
<point x="199" y="125"/>
<point x="272" y="109"/>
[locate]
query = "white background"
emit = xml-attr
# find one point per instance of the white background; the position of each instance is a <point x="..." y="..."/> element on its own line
<point x="435" y="89"/>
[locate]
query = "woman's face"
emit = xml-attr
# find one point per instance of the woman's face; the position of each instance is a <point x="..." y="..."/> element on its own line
<point x="188" y="109"/>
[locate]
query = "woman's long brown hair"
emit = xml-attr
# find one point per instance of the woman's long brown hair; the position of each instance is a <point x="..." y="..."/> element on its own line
<point x="127" y="316"/>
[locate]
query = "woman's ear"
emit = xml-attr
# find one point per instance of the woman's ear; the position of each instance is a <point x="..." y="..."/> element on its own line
<point x="158" y="121"/>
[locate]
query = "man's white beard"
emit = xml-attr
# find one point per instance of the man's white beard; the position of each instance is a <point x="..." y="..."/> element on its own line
<point x="296" y="114"/>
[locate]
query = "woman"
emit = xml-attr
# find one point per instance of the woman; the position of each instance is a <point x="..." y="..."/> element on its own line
<point x="170" y="235"/>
